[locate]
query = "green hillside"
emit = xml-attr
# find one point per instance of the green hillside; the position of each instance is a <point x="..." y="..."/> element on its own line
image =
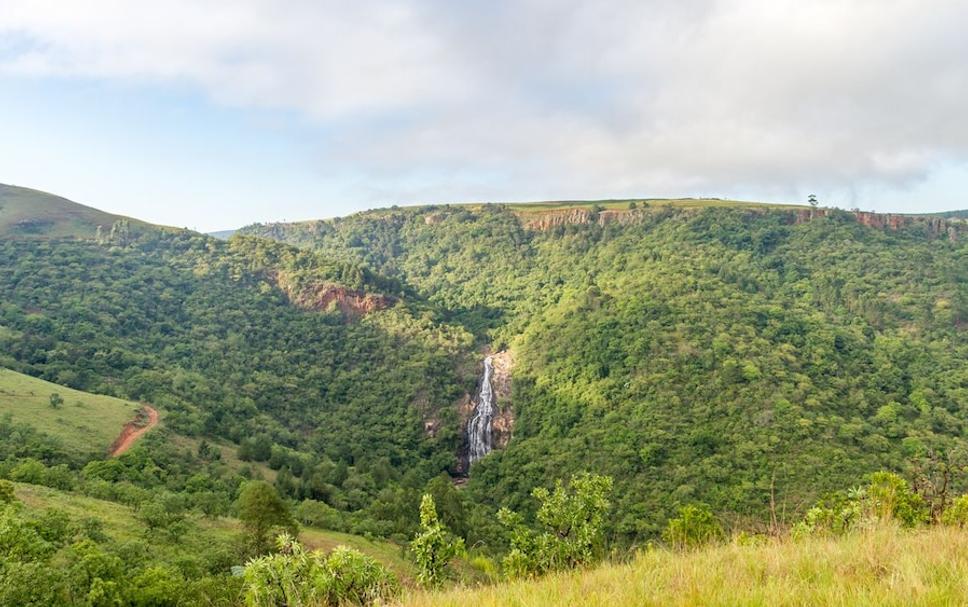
<point x="31" y="213"/>
<point x="121" y="524"/>
<point x="319" y="368"/>
<point x="697" y="352"/>
<point x="692" y="353"/>
<point x="83" y="422"/>
<point x="115" y="541"/>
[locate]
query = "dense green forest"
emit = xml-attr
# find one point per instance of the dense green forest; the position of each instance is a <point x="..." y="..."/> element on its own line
<point x="694" y="355"/>
<point x="201" y="329"/>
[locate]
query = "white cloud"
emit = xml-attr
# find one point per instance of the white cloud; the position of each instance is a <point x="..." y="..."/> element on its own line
<point x="557" y="98"/>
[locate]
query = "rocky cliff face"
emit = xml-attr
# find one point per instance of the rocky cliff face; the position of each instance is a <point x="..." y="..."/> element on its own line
<point x="937" y="226"/>
<point x="323" y="296"/>
<point x="503" y="424"/>
<point x="551" y="219"/>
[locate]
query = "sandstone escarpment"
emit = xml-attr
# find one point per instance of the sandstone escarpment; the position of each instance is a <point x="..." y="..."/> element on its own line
<point x="937" y="226"/>
<point x="551" y="219"/>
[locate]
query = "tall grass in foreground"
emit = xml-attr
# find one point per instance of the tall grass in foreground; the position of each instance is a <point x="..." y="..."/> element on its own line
<point x="877" y="567"/>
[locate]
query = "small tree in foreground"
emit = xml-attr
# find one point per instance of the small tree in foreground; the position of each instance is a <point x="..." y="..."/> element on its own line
<point x="890" y="497"/>
<point x="56" y="401"/>
<point x="573" y="518"/>
<point x="260" y="509"/>
<point x="433" y="547"/>
<point x="695" y="526"/>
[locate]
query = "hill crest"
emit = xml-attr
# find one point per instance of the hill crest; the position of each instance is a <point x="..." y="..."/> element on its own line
<point x="29" y="213"/>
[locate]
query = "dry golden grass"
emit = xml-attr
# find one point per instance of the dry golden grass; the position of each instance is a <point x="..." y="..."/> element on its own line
<point x="877" y="568"/>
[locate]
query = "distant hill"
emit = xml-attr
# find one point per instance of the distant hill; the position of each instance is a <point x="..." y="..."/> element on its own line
<point x="31" y="213"/>
<point x="962" y="214"/>
<point x="222" y="234"/>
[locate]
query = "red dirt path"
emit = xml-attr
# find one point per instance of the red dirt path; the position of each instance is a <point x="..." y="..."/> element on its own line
<point x="132" y="432"/>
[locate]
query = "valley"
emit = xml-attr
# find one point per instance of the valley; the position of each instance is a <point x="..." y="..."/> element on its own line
<point x="427" y="304"/>
<point x="747" y="359"/>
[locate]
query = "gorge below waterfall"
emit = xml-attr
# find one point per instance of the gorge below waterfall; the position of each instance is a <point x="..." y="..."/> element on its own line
<point x="479" y="429"/>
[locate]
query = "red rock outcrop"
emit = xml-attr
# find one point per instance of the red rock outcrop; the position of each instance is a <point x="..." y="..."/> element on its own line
<point x="352" y="304"/>
<point x="324" y="296"/>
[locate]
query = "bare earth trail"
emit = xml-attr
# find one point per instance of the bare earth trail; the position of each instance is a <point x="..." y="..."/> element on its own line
<point x="132" y="432"/>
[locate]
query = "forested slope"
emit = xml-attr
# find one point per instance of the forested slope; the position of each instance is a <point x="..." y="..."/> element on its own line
<point x="693" y="354"/>
<point x="321" y="368"/>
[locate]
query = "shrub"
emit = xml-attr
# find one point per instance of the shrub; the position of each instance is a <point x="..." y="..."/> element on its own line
<point x="486" y="566"/>
<point x="30" y="471"/>
<point x="319" y="514"/>
<point x="825" y="520"/>
<point x="260" y="509"/>
<point x="31" y="585"/>
<point x="890" y="497"/>
<point x="156" y="585"/>
<point x="6" y="493"/>
<point x="164" y="514"/>
<point x="19" y="540"/>
<point x="887" y="496"/>
<point x="573" y="519"/>
<point x="298" y="578"/>
<point x="957" y="512"/>
<point x="695" y="526"/>
<point x="357" y="579"/>
<point x="433" y="547"/>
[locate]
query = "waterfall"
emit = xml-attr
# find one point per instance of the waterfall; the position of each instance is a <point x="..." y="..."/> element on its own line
<point x="479" y="426"/>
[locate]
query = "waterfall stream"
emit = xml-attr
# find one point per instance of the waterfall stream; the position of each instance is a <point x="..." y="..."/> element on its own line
<point x="479" y="426"/>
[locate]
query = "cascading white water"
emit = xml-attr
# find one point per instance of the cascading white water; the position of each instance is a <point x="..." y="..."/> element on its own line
<point x="479" y="426"/>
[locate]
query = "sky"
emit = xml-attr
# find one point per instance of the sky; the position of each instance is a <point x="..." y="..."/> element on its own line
<point x="214" y="114"/>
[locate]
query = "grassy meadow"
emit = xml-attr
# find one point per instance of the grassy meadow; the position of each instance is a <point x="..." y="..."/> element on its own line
<point x="84" y="422"/>
<point x="879" y="567"/>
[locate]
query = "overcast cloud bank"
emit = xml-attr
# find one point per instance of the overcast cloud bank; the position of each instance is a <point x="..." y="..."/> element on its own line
<point x="502" y="100"/>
